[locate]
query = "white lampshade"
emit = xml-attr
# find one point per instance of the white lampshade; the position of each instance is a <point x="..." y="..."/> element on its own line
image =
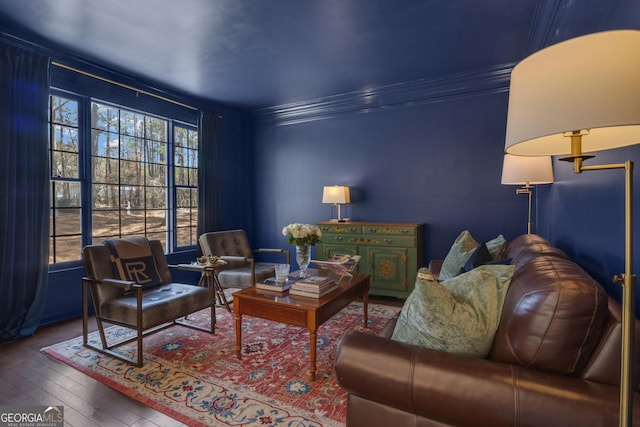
<point x="589" y="84"/>
<point x="336" y="194"/>
<point x="520" y="170"/>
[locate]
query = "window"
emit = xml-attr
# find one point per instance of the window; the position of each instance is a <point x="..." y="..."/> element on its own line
<point x="65" y="205"/>
<point x="131" y="188"/>
<point x="186" y="167"/>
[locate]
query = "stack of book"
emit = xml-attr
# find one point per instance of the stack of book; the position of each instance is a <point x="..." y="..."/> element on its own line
<point x="271" y="284"/>
<point x="313" y="287"/>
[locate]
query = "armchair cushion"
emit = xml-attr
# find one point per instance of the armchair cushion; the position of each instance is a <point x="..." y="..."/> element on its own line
<point x="133" y="260"/>
<point x="459" y="315"/>
<point x="160" y="304"/>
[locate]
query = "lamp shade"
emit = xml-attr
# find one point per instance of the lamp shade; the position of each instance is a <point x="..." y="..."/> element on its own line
<point x="519" y="170"/>
<point x="336" y="194"/>
<point x="590" y="84"/>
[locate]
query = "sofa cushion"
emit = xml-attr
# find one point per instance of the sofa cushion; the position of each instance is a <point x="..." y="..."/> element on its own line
<point x="459" y="315"/>
<point x="458" y="254"/>
<point x="553" y="316"/>
<point x="462" y="250"/>
<point x="497" y="247"/>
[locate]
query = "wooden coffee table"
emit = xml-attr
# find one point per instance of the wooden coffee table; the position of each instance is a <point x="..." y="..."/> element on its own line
<point x="308" y="313"/>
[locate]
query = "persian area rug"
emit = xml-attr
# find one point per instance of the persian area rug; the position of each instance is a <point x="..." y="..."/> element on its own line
<point x="196" y="378"/>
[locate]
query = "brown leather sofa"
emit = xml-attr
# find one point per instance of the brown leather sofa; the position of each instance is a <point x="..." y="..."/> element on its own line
<point x="555" y="359"/>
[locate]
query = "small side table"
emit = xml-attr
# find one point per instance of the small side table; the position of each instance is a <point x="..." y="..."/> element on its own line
<point x="209" y="277"/>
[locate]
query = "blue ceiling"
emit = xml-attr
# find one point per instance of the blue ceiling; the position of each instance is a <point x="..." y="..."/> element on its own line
<point x="258" y="53"/>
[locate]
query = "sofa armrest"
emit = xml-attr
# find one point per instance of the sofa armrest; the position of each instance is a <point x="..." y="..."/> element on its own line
<point x="125" y="285"/>
<point x="456" y="390"/>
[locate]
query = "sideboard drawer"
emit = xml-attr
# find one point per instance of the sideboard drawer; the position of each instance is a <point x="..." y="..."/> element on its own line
<point x="340" y="228"/>
<point x="394" y="230"/>
<point x="384" y="240"/>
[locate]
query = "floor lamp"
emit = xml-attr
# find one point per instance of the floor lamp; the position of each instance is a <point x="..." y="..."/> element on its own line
<point x="527" y="171"/>
<point x="584" y="94"/>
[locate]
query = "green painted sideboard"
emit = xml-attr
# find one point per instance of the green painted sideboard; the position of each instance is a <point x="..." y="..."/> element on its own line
<point x="391" y="252"/>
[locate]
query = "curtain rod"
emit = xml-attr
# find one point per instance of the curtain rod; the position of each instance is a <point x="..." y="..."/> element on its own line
<point x="58" y="64"/>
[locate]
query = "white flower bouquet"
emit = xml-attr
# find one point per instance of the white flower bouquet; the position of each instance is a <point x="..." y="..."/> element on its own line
<point x="302" y="234"/>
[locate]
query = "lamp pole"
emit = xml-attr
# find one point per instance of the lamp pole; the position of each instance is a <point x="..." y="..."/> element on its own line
<point x="627" y="279"/>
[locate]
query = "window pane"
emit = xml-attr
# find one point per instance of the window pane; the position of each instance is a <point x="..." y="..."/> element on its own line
<point x="156" y="129"/>
<point x="66" y="194"/>
<point x="156" y="152"/>
<point x="64" y="248"/>
<point x="131" y="173"/>
<point x="106" y="196"/>
<point x="105" y="144"/>
<point x="66" y="222"/>
<point x="105" y="117"/>
<point x="180" y="137"/>
<point x="64" y="111"/>
<point x="193" y="177"/>
<point x="64" y="138"/>
<point x="132" y="197"/>
<point x="106" y="224"/>
<point x="157" y="175"/>
<point x="105" y="170"/>
<point x="131" y="148"/>
<point x="186" y="236"/>
<point x="131" y="123"/>
<point x="64" y="165"/>
<point x="156" y="221"/>
<point x="156" y="198"/>
<point x="183" y="197"/>
<point x="182" y="176"/>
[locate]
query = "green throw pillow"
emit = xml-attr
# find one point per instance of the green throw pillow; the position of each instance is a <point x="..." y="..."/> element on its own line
<point x="460" y="315"/>
<point x="458" y="255"/>
<point x="497" y="247"/>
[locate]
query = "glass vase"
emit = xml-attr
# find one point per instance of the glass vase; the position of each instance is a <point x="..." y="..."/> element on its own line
<point x="303" y="258"/>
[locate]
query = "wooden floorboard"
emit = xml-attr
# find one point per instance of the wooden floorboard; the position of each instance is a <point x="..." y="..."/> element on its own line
<point x="29" y="377"/>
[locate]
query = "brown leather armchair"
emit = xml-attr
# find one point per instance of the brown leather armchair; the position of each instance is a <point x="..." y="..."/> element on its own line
<point x="146" y="308"/>
<point x="242" y="270"/>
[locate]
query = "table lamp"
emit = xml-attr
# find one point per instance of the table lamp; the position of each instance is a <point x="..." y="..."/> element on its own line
<point x="527" y="171"/>
<point x="584" y="94"/>
<point x="336" y="195"/>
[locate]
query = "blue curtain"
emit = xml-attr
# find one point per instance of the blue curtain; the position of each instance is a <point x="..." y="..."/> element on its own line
<point x="24" y="188"/>
<point x="208" y="180"/>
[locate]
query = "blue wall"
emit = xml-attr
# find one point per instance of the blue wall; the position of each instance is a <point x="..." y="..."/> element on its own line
<point x="584" y="214"/>
<point x="437" y="161"/>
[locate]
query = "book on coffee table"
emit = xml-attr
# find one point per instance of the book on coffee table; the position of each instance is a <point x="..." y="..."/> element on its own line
<point x="313" y="286"/>
<point x="313" y="294"/>
<point x="271" y="284"/>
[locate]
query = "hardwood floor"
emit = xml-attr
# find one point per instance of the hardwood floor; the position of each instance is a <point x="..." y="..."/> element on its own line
<point x="29" y="377"/>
